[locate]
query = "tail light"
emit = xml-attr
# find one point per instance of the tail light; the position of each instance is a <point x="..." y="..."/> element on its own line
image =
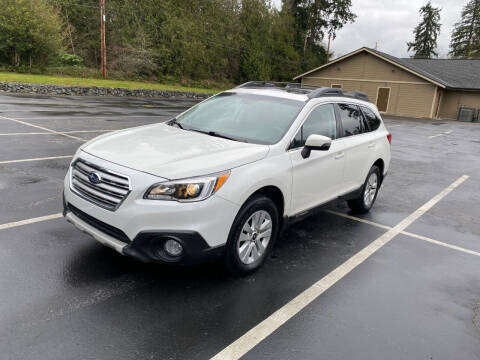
<point x="389" y="138"/>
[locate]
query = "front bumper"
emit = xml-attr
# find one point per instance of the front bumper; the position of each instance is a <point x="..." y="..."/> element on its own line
<point x="139" y="227"/>
<point x="147" y="246"/>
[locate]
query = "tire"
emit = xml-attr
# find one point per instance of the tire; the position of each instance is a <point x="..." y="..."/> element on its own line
<point x="248" y="243"/>
<point x="368" y="195"/>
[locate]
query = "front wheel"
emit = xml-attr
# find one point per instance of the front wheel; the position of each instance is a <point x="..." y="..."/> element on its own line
<point x="369" y="192"/>
<point x="252" y="235"/>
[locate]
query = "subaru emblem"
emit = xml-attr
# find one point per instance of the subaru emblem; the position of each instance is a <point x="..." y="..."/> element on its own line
<point x="94" y="178"/>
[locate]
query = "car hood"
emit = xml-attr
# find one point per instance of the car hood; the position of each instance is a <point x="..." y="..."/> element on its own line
<point x="173" y="153"/>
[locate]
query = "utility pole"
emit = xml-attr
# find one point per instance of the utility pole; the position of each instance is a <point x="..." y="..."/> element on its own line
<point x="103" y="48"/>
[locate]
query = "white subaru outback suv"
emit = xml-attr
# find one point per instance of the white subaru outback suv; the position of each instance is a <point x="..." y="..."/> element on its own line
<point x="224" y="177"/>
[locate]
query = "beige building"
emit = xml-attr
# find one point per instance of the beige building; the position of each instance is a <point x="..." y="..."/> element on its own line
<point x="424" y="88"/>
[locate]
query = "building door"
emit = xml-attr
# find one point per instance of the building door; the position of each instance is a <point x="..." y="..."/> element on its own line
<point x="382" y="99"/>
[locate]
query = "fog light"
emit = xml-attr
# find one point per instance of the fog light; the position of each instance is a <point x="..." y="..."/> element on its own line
<point x="173" y="247"/>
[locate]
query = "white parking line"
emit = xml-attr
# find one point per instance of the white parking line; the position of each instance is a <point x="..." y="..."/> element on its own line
<point x="59" y="132"/>
<point x="420" y="237"/>
<point x="26" y="133"/>
<point x="29" y="221"/>
<point x="358" y="219"/>
<point x="436" y="242"/>
<point x="35" y="159"/>
<point x="86" y="117"/>
<point x="442" y="134"/>
<point x="254" y="336"/>
<point x="42" y="128"/>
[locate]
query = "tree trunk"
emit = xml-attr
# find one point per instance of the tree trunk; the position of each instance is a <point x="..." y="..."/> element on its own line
<point x="305" y="43"/>
<point x="328" y="47"/>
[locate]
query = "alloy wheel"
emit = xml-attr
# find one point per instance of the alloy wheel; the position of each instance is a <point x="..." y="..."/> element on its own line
<point x="254" y="237"/>
<point x="370" y="189"/>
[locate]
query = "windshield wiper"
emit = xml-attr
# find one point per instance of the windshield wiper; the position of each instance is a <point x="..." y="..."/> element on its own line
<point x="175" y="122"/>
<point x="213" y="133"/>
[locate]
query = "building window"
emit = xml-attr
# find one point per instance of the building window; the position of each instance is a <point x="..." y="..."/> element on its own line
<point x="338" y="86"/>
<point x="383" y="97"/>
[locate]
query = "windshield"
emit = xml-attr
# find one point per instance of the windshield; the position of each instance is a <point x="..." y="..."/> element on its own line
<point x="244" y="117"/>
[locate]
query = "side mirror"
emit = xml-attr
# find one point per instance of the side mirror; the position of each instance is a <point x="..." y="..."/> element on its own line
<point x="316" y="142"/>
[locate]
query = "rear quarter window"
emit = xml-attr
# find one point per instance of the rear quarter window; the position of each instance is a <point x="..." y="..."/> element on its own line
<point x="372" y="119"/>
<point x="351" y="118"/>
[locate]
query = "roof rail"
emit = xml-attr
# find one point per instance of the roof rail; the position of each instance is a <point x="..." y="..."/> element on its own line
<point x="325" y="91"/>
<point x="358" y="95"/>
<point x="256" y="84"/>
<point x="312" y="91"/>
<point x="293" y="86"/>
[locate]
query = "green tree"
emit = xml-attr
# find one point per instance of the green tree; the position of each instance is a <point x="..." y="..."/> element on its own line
<point x="189" y="40"/>
<point x="314" y="21"/>
<point x="465" y="41"/>
<point x="30" y="32"/>
<point x="426" y="33"/>
<point x="285" y="60"/>
<point x="256" y="32"/>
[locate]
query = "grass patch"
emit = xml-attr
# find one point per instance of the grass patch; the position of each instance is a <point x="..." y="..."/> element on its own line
<point x="75" y="81"/>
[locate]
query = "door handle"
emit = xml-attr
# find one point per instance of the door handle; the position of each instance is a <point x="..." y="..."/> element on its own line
<point x="371" y="145"/>
<point x="339" y="155"/>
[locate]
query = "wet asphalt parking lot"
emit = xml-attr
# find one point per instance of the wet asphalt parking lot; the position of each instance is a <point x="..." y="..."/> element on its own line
<point x="402" y="282"/>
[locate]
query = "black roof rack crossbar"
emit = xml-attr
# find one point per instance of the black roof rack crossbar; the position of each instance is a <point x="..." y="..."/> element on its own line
<point x="311" y="91"/>
<point x="325" y="91"/>
<point x="257" y="84"/>
<point x="358" y="95"/>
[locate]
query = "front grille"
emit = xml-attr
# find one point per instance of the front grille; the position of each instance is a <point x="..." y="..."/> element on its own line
<point x="100" y="225"/>
<point x="108" y="192"/>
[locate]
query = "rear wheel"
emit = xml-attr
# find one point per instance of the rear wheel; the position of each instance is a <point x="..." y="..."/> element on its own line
<point x="369" y="192"/>
<point x="252" y="235"/>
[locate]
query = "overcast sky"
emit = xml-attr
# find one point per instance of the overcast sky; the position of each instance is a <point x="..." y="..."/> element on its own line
<point x="390" y="24"/>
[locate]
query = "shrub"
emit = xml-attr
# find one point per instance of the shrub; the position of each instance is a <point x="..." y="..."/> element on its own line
<point x="66" y="59"/>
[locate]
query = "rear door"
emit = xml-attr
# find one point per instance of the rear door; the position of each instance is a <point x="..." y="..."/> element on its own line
<point x="357" y="145"/>
<point x="318" y="178"/>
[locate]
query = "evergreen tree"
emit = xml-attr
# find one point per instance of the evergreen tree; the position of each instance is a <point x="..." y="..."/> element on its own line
<point x="173" y="40"/>
<point x="465" y="42"/>
<point x="314" y="20"/>
<point x="30" y="32"/>
<point x="426" y="33"/>
<point x="255" y="62"/>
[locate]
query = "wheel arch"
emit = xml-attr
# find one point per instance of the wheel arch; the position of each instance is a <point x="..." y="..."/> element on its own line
<point x="275" y="194"/>
<point x="381" y="166"/>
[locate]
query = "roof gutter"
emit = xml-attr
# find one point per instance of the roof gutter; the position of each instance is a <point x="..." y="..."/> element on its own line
<point x="462" y="89"/>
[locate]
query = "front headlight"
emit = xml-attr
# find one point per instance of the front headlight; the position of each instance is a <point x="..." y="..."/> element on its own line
<point x="184" y="190"/>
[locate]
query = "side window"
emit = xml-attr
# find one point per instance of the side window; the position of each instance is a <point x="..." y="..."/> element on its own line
<point x="351" y="118"/>
<point x="321" y="121"/>
<point x="372" y="120"/>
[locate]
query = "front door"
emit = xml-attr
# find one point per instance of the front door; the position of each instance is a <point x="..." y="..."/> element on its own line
<point x="318" y="178"/>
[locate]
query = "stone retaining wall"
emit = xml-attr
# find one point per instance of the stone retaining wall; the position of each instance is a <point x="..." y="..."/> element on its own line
<point x="45" y="89"/>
